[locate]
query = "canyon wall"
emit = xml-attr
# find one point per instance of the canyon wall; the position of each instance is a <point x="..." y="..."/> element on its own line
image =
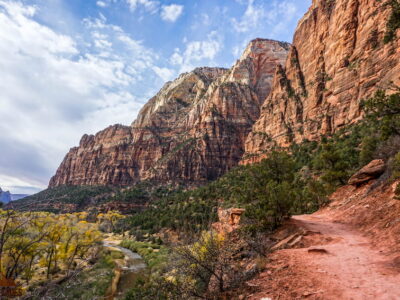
<point x="338" y="58"/>
<point x="193" y="130"/>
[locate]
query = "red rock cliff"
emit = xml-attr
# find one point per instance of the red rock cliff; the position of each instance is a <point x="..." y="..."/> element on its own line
<point x="194" y="129"/>
<point x="337" y="59"/>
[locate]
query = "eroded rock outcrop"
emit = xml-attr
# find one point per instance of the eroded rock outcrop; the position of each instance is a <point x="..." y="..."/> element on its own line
<point x="337" y="59"/>
<point x="371" y="171"/>
<point x="228" y="220"/>
<point x="193" y="130"/>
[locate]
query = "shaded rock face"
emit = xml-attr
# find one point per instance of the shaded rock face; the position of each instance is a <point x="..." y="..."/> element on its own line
<point x="193" y="130"/>
<point x="371" y="171"/>
<point x="337" y="59"/>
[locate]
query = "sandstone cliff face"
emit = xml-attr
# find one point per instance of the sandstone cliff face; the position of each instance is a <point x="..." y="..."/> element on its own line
<point x="337" y="59"/>
<point x="193" y="130"/>
<point x="100" y="159"/>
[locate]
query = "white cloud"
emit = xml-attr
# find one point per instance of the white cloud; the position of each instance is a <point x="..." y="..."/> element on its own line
<point x="205" y="19"/>
<point x="101" y="4"/>
<point x="164" y="73"/>
<point x="250" y="18"/>
<point x="176" y="58"/>
<point x="198" y="53"/>
<point x="21" y="186"/>
<point x="168" y="13"/>
<point x="54" y="89"/>
<point x="171" y="13"/>
<point x="276" y="16"/>
<point x="149" y="5"/>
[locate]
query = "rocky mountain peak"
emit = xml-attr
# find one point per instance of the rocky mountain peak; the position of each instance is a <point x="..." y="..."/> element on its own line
<point x="257" y="64"/>
<point x="258" y="46"/>
<point x="178" y="94"/>
<point x="192" y="130"/>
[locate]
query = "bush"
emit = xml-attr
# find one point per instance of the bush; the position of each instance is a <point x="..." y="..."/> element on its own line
<point x="393" y="24"/>
<point x="395" y="164"/>
<point x="383" y="111"/>
<point x="145" y="288"/>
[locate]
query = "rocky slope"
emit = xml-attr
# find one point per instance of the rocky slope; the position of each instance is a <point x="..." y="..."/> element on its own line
<point x="193" y="130"/>
<point x="337" y="59"/>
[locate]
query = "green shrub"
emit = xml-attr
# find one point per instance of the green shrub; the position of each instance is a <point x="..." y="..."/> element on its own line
<point x="396" y="167"/>
<point x="116" y="255"/>
<point x="393" y="23"/>
<point x="397" y="191"/>
<point x="383" y="112"/>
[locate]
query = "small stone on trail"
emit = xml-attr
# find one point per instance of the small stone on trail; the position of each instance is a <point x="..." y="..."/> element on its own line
<point x="317" y="250"/>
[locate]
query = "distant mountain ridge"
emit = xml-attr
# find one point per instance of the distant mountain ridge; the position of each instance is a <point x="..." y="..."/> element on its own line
<point x="15" y="197"/>
<point x="6" y="196"/>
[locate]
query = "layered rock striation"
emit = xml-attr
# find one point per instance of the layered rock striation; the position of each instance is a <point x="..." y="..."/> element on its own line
<point x="193" y="130"/>
<point x="338" y="58"/>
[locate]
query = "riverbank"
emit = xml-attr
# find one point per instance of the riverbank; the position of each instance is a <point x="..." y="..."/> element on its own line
<point x="126" y="270"/>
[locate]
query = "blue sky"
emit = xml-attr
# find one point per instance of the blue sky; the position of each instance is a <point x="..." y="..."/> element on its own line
<point x="70" y="67"/>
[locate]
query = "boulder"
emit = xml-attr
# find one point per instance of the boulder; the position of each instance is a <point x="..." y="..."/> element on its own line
<point x="371" y="171"/>
<point x="229" y="220"/>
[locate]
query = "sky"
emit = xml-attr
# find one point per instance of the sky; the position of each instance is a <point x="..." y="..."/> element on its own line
<point x="70" y="67"/>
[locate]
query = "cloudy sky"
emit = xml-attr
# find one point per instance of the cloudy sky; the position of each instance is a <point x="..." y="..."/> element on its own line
<point x="69" y="67"/>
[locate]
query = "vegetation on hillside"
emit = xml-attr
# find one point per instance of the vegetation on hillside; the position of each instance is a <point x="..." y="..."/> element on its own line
<point x="58" y="198"/>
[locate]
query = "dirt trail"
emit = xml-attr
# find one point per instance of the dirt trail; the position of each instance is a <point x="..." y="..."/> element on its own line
<point x="359" y="271"/>
<point x="336" y="262"/>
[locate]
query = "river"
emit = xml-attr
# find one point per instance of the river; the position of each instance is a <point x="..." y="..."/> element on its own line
<point x="134" y="265"/>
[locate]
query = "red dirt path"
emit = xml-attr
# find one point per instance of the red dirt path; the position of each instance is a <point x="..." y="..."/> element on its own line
<point x="341" y="265"/>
